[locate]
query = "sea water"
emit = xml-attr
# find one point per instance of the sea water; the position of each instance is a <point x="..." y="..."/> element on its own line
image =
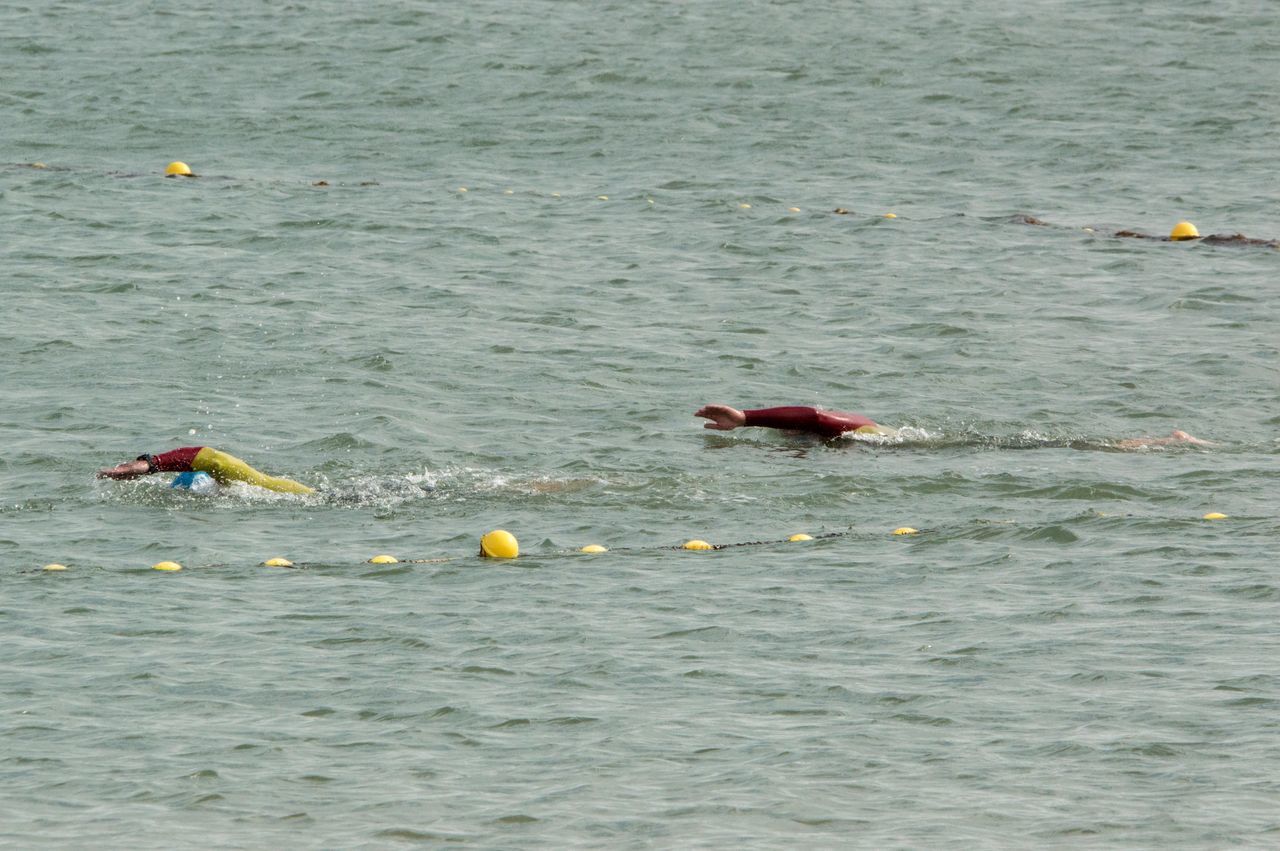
<point x="474" y="266"/>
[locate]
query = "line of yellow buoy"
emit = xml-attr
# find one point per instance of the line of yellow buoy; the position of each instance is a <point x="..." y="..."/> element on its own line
<point x="1183" y="230"/>
<point x="501" y="544"/>
<point x="177" y="168"/>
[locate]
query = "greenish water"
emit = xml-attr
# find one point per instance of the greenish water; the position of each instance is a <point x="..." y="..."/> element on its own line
<point x="1068" y="655"/>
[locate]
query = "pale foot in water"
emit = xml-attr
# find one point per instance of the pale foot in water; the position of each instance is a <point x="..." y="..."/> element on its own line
<point x="1175" y="437"/>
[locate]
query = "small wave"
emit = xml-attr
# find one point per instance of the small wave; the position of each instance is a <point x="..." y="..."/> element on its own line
<point x="922" y="437"/>
<point x="375" y="491"/>
<point x="907" y="435"/>
<point x="365" y="490"/>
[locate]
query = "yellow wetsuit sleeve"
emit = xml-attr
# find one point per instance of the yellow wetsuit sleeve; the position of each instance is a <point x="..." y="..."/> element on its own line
<point x="228" y="468"/>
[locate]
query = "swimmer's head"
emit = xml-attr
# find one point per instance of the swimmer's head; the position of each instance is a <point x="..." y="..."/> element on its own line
<point x="1184" y="230"/>
<point x="196" y="482"/>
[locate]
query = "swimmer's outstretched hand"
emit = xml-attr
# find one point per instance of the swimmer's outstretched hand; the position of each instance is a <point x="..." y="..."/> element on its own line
<point x="1175" y="437"/>
<point x="127" y="470"/>
<point x="723" y="418"/>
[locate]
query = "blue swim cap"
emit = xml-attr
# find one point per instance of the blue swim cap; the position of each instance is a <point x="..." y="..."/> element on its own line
<point x="194" y="482"/>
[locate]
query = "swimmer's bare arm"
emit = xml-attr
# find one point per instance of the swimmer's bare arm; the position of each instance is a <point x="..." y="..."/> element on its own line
<point x="127" y="470"/>
<point x="723" y="417"/>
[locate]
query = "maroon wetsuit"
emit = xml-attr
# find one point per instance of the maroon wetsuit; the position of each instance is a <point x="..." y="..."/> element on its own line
<point x="801" y="418"/>
<point x="175" y="460"/>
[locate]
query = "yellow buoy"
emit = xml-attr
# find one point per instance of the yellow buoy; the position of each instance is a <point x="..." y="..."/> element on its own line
<point x="462" y="189"/>
<point x="277" y="562"/>
<point x="499" y="544"/>
<point x="793" y="209"/>
<point x="166" y="565"/>
<point x="177" y="168"/>
<point x="697" y="545"/>
<point x="54" y="567"/>
<point x="602" y="197"/>
<point x="800" y="536"/>
<point x="1214" y="515"/>
<point x="905" y="530"/>
<point x="1184" y="230"/>
<point x="384" y="559"/>
<point x="744" y="206"/>
<point x="891" y="215"/>
<point x="594" y="548"/>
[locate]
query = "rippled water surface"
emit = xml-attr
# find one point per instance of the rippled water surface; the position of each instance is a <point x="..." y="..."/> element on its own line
<point x="470" y="266"/>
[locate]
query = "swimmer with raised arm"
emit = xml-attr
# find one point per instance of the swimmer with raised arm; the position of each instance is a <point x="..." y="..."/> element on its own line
<point x="223" y="468"/>
<point x="829" y="424"/>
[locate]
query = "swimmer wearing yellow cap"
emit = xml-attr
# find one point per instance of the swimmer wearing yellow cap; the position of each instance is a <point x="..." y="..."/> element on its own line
<point x="1182" y="232"/>
<point x="830" y="424"/>
<point x="222" y="467"/>
<point x="1187" y="232"/>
